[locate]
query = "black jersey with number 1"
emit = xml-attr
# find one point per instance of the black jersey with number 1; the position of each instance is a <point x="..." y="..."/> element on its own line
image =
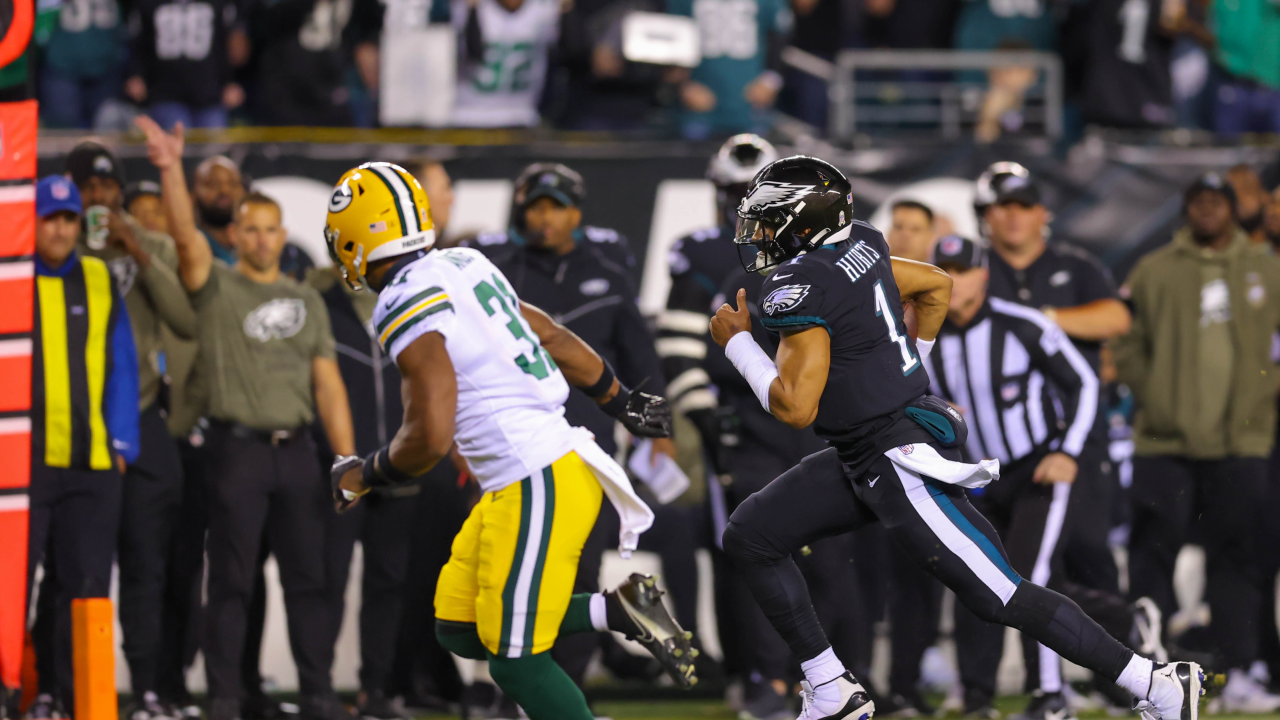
<point x="849" y="290"/>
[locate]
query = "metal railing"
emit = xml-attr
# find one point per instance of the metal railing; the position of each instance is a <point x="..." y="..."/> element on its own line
<point x="941" y="93"/>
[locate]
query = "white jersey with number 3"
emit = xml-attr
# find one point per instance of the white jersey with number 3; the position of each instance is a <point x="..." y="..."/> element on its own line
<point x="510" y="418"/>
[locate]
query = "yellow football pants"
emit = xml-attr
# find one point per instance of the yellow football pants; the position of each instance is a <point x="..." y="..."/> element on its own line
<point x="513" y="564"/>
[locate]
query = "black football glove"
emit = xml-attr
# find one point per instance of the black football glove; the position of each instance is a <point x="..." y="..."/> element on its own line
<point x="342" y="465"/>
<point x="642" y="414"/>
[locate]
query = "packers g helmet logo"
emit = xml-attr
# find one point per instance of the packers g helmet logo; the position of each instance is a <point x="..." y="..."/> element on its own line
<point x="377" y="211"/>
<point x="341" y="200"/>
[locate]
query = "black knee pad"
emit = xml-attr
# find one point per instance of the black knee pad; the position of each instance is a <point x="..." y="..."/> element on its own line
<point x="742" y="543"/>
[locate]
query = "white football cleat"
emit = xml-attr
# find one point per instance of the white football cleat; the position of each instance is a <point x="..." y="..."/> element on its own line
<point x="842" y="699"/>
<point x="1175" y="692"/>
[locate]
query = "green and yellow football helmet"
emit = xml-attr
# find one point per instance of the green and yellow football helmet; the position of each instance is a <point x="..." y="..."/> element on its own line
<point x="377" y="211"/>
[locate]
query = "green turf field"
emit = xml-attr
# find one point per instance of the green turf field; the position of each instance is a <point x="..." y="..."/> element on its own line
<point x="703" y="709"/>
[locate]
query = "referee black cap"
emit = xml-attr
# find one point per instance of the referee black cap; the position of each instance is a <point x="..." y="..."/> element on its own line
<point x="953" y="251"/>
<point x="1209" y="182"/>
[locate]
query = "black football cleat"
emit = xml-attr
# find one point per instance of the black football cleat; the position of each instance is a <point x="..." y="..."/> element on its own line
<point x="635" y="609"/>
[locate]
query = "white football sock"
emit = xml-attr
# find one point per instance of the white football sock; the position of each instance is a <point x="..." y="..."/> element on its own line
<point x="599" y="616"/>
<point x="1136" y="676"/>
<point x="822" y="669"/>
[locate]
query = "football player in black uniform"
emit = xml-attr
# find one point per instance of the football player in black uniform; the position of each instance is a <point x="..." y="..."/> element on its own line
<point x="846" y="363"/>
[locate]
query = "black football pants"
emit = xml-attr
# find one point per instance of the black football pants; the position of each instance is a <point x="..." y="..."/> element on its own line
<point x="832" y="568"/>
<point x="256" y="486"/>
<point x="932" y="521"/>
<point x="380" y="521"/>
<point x="152" y="500"/>
<point x="1226" y="498"/>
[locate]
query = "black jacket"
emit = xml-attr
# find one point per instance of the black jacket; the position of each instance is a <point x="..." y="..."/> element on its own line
<point x="593" y="296"/>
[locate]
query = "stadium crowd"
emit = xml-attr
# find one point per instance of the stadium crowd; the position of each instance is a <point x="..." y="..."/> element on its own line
<point x="1211" y="64"/>
<point x="235" y="370"/>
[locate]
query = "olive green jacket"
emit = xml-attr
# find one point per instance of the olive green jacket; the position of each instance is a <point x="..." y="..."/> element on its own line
<point x="155" y="298"/>
<point x="1158" y="358"/>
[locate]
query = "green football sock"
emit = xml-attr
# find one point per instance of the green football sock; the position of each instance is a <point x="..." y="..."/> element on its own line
<point x="540" y="686"/>
<point x="578" y="618"/>
<point x="461" y="639"/>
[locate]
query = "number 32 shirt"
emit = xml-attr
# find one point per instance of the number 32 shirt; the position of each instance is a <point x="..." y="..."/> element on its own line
<point x="848" y="290"/>
<point x="510" y="418"/>
<point x="503" y="90"/>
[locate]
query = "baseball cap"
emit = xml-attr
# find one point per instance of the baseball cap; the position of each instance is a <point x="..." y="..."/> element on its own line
<point x="552" y="180"/>
<point x="137" y="189"/>
<point x="91" y="159"/>
<point x="1011" y="188"/>
<point x="958" y="252"/>
<point x="55" y="193"/>
<point x="1210" y="182"/>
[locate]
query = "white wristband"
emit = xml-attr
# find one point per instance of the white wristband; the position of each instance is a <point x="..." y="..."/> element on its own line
<point x="924" y="347"/>
<point x="754" y="365"/>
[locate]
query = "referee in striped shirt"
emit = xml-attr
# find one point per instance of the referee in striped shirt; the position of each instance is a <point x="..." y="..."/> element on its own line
<point x="1030" y="399"/>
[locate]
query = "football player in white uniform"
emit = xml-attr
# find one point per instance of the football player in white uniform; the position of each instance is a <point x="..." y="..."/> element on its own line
<point x="485" y="371"/>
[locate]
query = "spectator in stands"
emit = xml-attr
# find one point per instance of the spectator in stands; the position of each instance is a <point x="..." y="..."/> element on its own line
<point x="1199" y="365"/>
<point x="913" y="233"/>
<point x="1117" y="55"/>
<point x="605" y="91"/>
<point x="909" y="24"/>
<point x="304" y="51"/>
<point x="82" y="64"/>
<point x="1247" y="52"/>
<point x="819" y="31"/>
<point x="83" y="433"/>
<point x="142" y="202"/>
<point x="736" y="84"/>
<point x="1251" y="200"/>
<point x="179" y="64"/>
<point x="503" y="48"/>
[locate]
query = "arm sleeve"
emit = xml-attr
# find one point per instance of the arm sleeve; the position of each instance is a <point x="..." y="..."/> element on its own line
<point x="796" y="304"/>
<point x="407" y="311"/>
<point x="120" y="401"/>
<point x="166" y="292"/>
<point x="1054" y="352"/>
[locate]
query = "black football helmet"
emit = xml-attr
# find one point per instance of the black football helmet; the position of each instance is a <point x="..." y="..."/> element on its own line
<point x="804" y="202"/>
<point x="732" y="168"/>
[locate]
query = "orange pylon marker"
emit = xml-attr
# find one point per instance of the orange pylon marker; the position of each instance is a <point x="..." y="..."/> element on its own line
<point x="94" y="660"/>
